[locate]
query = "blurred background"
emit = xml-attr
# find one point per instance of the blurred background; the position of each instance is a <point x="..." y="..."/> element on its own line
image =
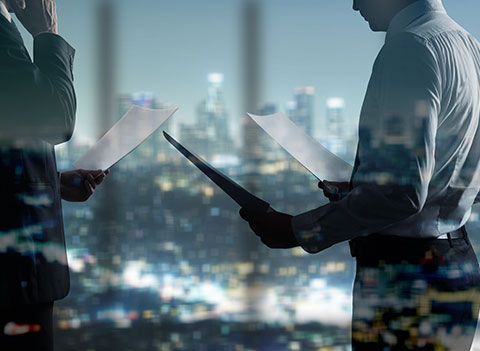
<point x="159" y="258"/>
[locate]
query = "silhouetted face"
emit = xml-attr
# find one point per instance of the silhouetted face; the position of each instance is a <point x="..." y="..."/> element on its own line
<point x="379" y="13"/>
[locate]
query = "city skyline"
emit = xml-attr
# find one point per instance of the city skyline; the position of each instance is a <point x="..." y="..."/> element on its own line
<point x="300" y="108"/>
<point x="172" y="46"/>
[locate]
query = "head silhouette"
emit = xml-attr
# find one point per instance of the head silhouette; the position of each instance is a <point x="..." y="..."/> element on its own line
<point x="379" y="13"/>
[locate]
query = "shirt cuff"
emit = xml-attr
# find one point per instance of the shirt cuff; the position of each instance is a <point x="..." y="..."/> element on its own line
<point x="36" y="35"/>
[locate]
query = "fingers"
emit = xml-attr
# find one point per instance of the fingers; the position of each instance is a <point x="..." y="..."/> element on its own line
<point x="337" y="184"/>
<point x="89" y="189"/>
<point x="328" y="186"/>
<point x="251" y="216"/>
<point x="260" y="229"/>
<point x="18" y="7"/>
<point x="245" y="214"/>
<point x="256" y="221"/>
<point x="273" y="228"/>
<point x="21" y="3"/>
<point x="327" y="183"/>
<point x="331" y="190"/>
<point x="100" y="177"/>
<point x="91" y="181"/>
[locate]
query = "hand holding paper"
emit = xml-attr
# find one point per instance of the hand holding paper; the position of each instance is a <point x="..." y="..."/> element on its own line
<point x="78" y="185"/>
<point x="334" y="191"/>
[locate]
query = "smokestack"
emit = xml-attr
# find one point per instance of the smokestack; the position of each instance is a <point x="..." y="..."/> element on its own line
<point x="252" y="84"/>
<point x="107" y="200"/>
<point x="106" y="65"/>
<point x="252" y="153"/>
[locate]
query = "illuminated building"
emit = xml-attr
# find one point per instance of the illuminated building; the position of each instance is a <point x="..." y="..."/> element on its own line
<point x="303" y="113"/>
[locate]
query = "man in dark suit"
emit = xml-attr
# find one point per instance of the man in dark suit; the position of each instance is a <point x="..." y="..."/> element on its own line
<point x="37" y="111"/>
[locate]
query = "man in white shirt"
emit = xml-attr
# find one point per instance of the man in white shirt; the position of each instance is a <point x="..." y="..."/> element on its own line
<point x="415" y="179"/>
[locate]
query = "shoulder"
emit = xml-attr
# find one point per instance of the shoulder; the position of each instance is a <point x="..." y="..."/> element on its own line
<point x="406" y="49"/>
<point x="405" y="43"/>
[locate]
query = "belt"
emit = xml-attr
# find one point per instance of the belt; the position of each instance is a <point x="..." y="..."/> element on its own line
<point x="457" y="234"/>
<point x="378" y="246"/>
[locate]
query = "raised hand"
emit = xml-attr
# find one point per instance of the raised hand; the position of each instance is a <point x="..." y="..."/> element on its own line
<point x="37" y="16"/>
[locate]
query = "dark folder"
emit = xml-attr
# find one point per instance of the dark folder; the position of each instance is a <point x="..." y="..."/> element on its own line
<point x="241" y="196"/>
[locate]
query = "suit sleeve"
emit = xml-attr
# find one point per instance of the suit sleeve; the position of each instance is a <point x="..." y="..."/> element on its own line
<point x="396" y="150"/>
<point x="37" y="99"/>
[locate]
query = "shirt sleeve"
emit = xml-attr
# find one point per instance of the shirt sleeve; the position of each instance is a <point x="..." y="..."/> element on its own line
<point x="395" y="158"/>
<point x="37" y="99"/>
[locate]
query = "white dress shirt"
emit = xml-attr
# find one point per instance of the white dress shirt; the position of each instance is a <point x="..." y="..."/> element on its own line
<point x="4" y="11"/>
<point x="418" y="170"/>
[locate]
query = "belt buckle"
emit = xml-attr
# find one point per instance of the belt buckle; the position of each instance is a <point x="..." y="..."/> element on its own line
<point x="456" y="234"/>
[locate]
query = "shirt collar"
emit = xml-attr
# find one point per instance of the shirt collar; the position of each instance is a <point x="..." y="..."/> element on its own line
<point x="413" y="11"/>
<point x="4" y="12"/>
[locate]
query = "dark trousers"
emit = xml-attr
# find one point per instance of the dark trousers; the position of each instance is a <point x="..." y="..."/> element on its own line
<point x="27" y="328"/>
<point x="414" y="294"/>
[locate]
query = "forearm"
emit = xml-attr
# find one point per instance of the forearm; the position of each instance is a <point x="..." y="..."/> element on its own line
<point x="365" y="210"/>
<point x="54" y="55"/>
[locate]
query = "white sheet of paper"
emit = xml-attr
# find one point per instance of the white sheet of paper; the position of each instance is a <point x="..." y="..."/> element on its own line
<point x="322" y="163"/>
<point x="128" y="133"/>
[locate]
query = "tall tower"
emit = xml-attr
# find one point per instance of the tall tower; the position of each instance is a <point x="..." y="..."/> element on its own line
<point x="107" y="200"/>
<point x="106" y="65"/>
<point x="337" y="128"/>
<point x="252" y="146"/>
<point x="212" y="114"/>
<point x="210" y="134"/>
<point x="303" y="116"/>
<point x="252" y="83"/>
<point x="215" y="97"/>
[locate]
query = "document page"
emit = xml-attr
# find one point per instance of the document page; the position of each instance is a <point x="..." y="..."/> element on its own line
<point x="322" y="163"/>
<point x="127" y="134"/>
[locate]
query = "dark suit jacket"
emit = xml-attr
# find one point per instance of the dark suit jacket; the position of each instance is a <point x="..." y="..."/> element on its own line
<point x="37" y="111"/>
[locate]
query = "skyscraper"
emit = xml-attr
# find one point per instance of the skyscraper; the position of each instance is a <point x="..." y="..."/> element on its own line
<point x="303" y="113"/>
<point x="252" y="85"/>
<point x="337" y="131"/>
<point x="108" y="226"/>
<point x="210" y="134"/>
<point x="251" y="149"/>
<point x="106" y="64"/>
<point x="212" y="115"/>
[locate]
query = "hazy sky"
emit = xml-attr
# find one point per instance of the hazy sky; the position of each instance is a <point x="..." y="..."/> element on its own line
<point x="169" y="47"/>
